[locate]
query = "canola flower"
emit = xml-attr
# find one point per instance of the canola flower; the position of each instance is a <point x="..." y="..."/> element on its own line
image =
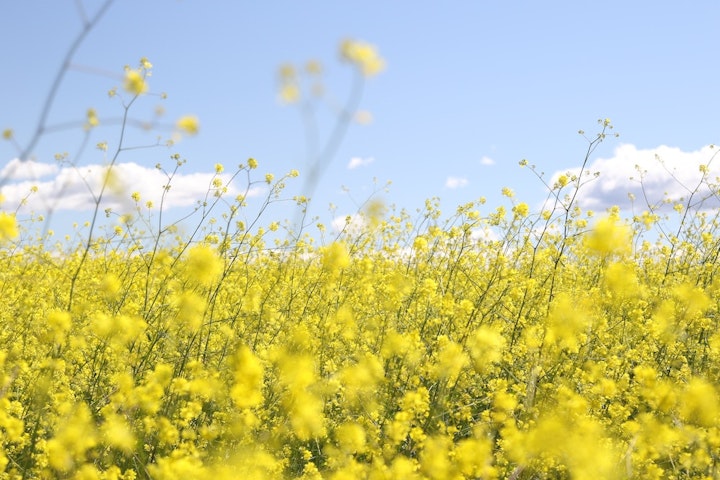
<point x="364" y="55"/>
<point x="8" y="226"/>
<point x="188" y="124"/>
<point x="134" y="82"/>
<point x="406" y="348"/>
<point x="346" y="360"/>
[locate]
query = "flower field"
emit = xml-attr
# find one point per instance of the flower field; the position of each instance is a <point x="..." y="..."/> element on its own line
<point x="496" y="342"/>
<point x="564" y="345"/>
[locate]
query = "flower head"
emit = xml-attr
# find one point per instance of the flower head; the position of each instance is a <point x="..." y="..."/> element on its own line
<point x="609" y="237"/>
<point x="363" y="55"/>
<point x="135" y="82"/>
<point x="188" y="124"/>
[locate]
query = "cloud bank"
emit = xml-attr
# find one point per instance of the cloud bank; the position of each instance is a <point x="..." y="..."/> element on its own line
<point x="659" y="173"/>
<point x="76" y="189"/>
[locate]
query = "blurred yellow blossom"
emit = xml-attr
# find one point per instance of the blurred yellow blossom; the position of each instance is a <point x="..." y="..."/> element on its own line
<point x="609" y="237"/>
<point x="521" y="209"/>
<point x="248" y="377"/>
<point x="203" y="264"/>
<point x="188" y="124"/>
<point x="135" y="82"/>
<point x="364" y="55"/>
<point x="92" y="119"/>
<point x="290" y="93"/>
<point x="8" y="226"/>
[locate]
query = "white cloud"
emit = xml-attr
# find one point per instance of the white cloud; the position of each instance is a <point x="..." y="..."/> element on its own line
<point x="485" y="234"/>
<point x="356" y="162"/>
<point x="19" y="170"/>
<point x="663" y="172"/>
<point x="352" y="224"/>
<point x="75" y="189"/>
<point x="487" y="161"/>
<point x="456" y="182"/>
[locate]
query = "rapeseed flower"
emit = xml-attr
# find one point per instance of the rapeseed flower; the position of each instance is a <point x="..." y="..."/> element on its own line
<point x="363" y="55"/>
<point x="134" y="82"/>
<point x="188" y="124"/>
<point x="248" y="379"/>
<point x="203" y="264"/>
<point x="609" y="237"/>
<point x="8" y="227"/>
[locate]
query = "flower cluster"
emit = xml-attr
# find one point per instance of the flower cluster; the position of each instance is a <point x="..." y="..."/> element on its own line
<point x="561" y="354"/>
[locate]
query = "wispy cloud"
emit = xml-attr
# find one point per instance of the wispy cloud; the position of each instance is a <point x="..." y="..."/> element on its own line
<point x="456" y="182"/>
<point x="656" y="174"/>
<point x="76" y="189"/>
<point x="356" y="162"/>
<point x="487" y="161"/>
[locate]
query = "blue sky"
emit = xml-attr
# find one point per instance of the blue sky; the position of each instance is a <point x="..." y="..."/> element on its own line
<point x="469" y="90"/>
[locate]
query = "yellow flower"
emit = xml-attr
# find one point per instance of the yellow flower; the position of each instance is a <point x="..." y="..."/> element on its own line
<point x="351" y="438"/>
<point x="306" y="415"/>
<point x="486" y="345"/>
<point x="117" y="433"/>
<point x="289" y="93"/>
<point x="521" y="209"/>
<point x="287" y="72"/>
<point x="110" y="285"/>
<point x="435" y="458"/>
<point x="135" y="82"/>
<point x="420" y="244"/>
<point x="188" y="124"/>
<point x="566" y="323"/>
<point x="609" y="237"/>
<point x="313" y="67"/>
<point x="363" y="55"/>
<point x="59" y="323"/>
<point x="248" y="374"/>
<point x="75" y="435"/>
<point x="8" y="226"/>
<point x="203" y="264"/>
<point x="190" y="311"/>
<point x="7" y="134"/>
<point x="363" y="117"/>
<point x="92" y="119"/>
<point x="335" y="257"/>
<point x="252" y="163"/>
<point x="451" y="359"/>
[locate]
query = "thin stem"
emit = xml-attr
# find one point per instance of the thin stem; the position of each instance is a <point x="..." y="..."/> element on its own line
<point x="324" y="157"/>
<point x="88" y="25"/>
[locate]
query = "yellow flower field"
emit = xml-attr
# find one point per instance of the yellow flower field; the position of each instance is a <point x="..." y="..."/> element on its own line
<point x="564" y="346"/>
<point x="491" y="343"/>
